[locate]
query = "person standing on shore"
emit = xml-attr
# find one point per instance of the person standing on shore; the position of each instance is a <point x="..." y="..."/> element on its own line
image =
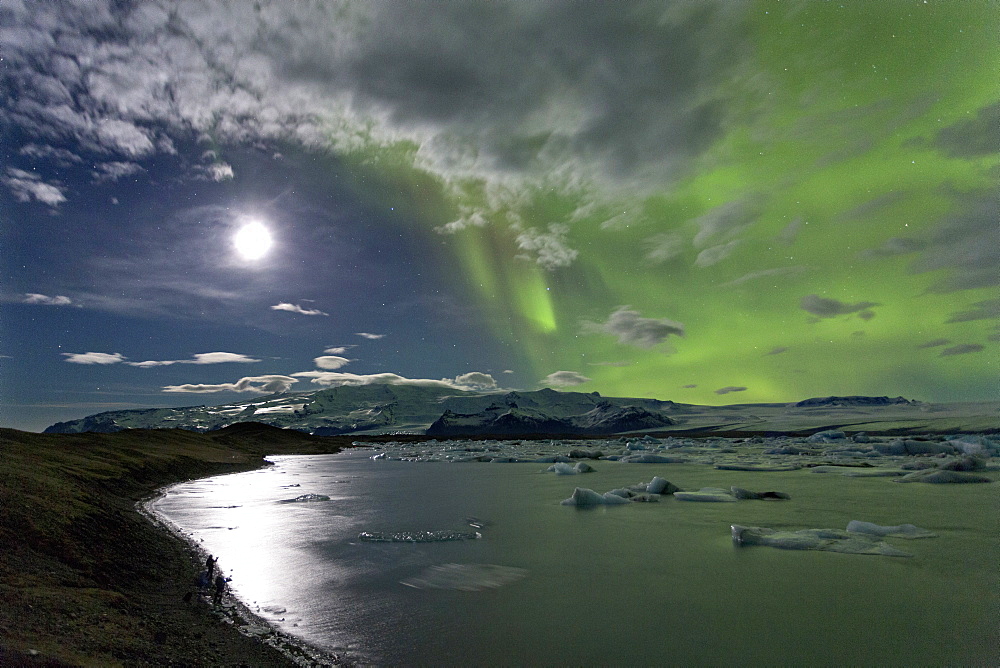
<point x="210" y="566"/>
<point x="220" y="587"/>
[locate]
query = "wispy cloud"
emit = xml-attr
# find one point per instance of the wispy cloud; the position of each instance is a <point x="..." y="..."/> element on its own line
<point x="984" y="310"/>
<point x="564" y="379"/>
<point x="961" y="349"/>
<point x="934" y="343"/>
<point x="777" y="351"/>
<point x="256" y="384"/>
<point x="468" y="381"/>
<point x="823" y="307"/>
<point x="28" y="186"/>
<point x="45" y="300"/>
<point x="295" y="308"/>
<point x="200" y="358"/>
<point x="330" y="362"/>
<point x="731" y="388"/>
<point x="631" y="328"/>
<point x="94" y="358"/>
<point x="370" y="336"/>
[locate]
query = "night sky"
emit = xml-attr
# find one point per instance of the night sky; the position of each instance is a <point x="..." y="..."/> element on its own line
<point x="709" y="202"/>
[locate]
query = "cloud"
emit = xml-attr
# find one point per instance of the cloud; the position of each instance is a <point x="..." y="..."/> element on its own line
<point x="473" y="381"/>
<point x="257" y="384"/>
<point x="549" y="249"/>
<point x="961" y="349"/>
<point x="720" y="226"/>
<point x="35" y="298"/>
<point x="689" y="387"/>
<point x="892" y="247"/>
<point x="337" y="350"/>
<point x="966" y="244"/>
<point x="220" y="171"/>
<point x="27" y="186"/>
<point x="295" y="308"/>
<point x="94" y="358"/>
<point x="716" y="254"/>
<point x="777" y="351"/>
<point x="822" y="307"/>
<point x="331" y="362"/>
<point x="665" y="247"/>
<point x="764" y="273"/>
<point x="935" y="343"/>
<point x="476" y="379"/>
<point x="199" y="358"/>
<point x="972" y="138"/>
<point x="632" y="329"/>
<point x="984" y="310"/>
<point x="470" y="84"/>
<point x="60" y="156"/>
<point x="564" y="379"/>
<point x="112" y="171"/>
<point x="370" y="336"/>
<point x="730" y="388"/>
<point x="508" y="371"/>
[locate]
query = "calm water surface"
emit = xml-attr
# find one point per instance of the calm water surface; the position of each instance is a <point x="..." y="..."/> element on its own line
<point x="634" y="584"/>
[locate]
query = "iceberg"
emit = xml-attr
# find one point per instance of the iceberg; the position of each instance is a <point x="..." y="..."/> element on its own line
<point x="583" y="496"/>
<point x="897" y="531"/>
<point x="416" y="536"/>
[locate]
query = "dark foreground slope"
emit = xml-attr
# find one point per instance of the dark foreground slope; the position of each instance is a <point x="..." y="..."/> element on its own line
<point x="84" y="578"/>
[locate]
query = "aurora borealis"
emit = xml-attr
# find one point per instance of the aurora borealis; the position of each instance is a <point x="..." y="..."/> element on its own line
<point x="711" y="202"/>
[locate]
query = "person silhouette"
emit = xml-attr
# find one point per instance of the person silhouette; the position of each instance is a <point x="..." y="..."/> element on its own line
<point x="220" y="587"/>
<point x="210" y="566"/>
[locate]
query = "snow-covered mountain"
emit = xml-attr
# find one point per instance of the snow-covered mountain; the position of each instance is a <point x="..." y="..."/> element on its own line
<point x="442" y="411"/>
<point x="399" y="408"/>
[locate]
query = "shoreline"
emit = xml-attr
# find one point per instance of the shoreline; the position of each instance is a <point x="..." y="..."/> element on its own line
<point x="88" y="579"/>
<point x="233" y="610"/>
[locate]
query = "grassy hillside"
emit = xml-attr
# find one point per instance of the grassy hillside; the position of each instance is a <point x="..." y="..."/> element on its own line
<point x="84" y="578"/>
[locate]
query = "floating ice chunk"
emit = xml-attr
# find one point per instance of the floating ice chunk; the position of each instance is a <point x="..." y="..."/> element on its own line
<point x="550" y="459"/>
<point x="828" y="436"/>
<point x="465" y="577"/>
<point x="660" y="486"/>
<point x="897" y="531"/>
<point x="583" y="496"/>
<point x="741" y="493"/>
<point x="306" y="498"/>
<point x="938" y="476"/>
<point x="873" y="473"/>
<point x="649" y="458"/>
<point x="711" y="494"/>
<point x="567" y="469"/>
<point x="757" y="467"/>
<point x="622" y="492"/>
<point x="416" y="536"/>
<point x="827" y="540"/>
<point x="635" y="445"/>
<point x="973" y="445"/>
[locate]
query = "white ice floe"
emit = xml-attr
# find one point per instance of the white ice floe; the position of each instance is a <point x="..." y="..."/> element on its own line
<point x="306" y="498"/>
<point x="417" y="536"/>
<point x="583" y="496"/>
<point x="567" y="469"/>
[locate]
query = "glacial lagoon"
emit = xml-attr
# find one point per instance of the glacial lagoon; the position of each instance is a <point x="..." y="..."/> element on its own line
<point x="397" y="560"/>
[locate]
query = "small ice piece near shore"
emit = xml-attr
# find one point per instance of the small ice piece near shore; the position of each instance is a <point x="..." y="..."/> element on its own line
<point x="417" y="536"/>
<point x="829" y="436"/>
<point x="567" y="469"/>
<point x="826" y="540"/>
<point x="583" y="496"/>
<point x="465" y="577"/>
<point x="306" y="498"/>
<point x="897" y="531"/>
<point x="710" y="494"/>
<point x="741" y="493"/>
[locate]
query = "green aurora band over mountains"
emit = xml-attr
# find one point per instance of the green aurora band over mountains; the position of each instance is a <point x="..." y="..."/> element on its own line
<point x="704" y="202"/>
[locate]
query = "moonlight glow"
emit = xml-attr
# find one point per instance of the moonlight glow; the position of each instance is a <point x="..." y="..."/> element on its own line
<point x="253" y="241"/>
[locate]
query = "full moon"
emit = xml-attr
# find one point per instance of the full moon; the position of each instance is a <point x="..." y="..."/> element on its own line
<point x="253" y="241"/>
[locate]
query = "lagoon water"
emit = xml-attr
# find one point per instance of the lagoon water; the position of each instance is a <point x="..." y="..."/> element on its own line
<point x="641" y="583"/>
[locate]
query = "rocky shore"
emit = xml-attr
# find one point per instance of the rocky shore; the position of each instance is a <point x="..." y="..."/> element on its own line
<point x="86" y="580"/>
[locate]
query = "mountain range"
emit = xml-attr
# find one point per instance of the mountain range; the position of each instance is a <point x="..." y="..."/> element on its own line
<point x="448" y="412"/>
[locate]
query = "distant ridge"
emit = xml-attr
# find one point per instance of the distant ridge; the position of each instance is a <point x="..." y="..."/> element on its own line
<point x="856" y="401"/>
